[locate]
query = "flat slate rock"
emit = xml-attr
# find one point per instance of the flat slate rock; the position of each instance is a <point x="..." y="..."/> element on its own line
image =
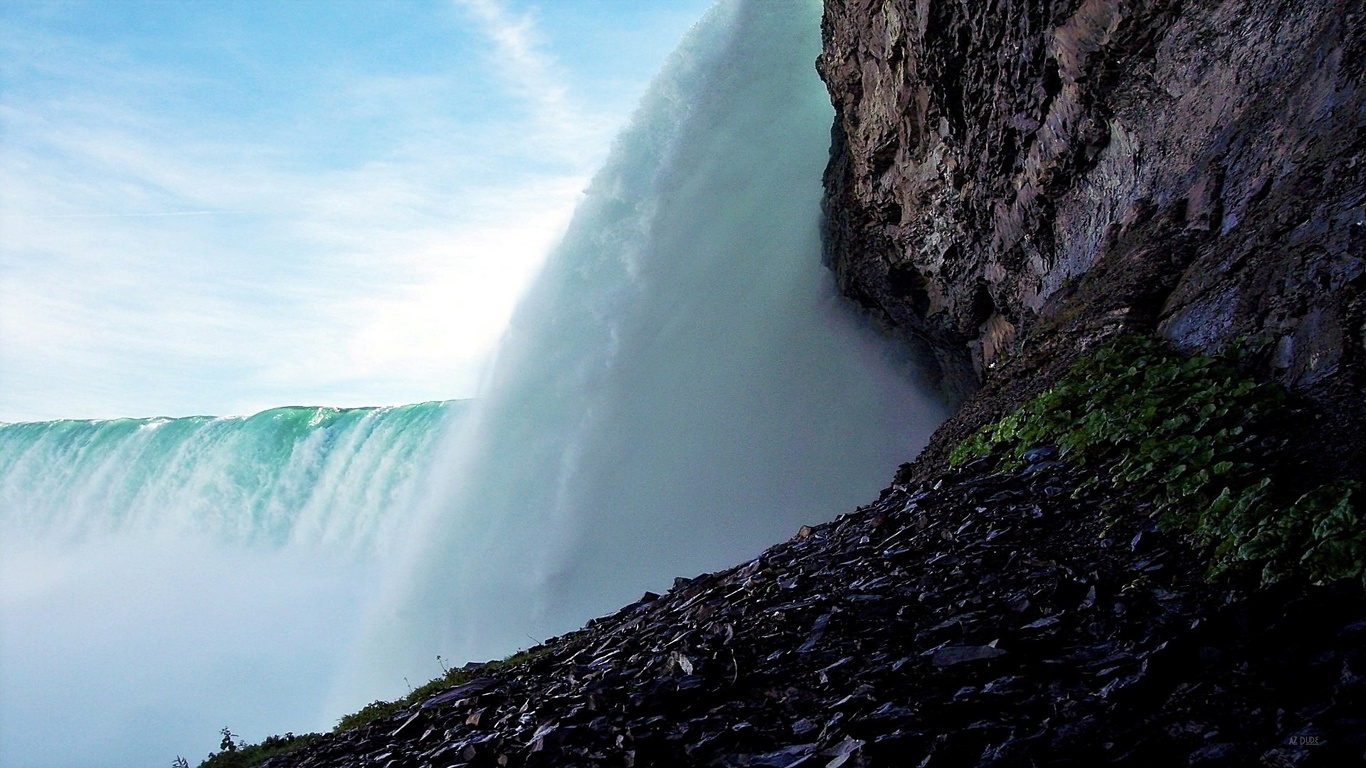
<point x="982" y="619"/>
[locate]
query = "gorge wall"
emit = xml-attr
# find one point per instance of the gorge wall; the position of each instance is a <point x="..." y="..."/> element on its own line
<point x="1012" y="170"/>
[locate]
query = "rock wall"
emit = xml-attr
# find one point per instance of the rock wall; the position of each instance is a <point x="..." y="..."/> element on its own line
<point x="1001" y="168"/>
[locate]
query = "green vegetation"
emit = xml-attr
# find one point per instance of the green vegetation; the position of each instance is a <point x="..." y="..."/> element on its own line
<point x="452" y="677"/>
<point x="232" y="753"/>
<point x="379" y="710"/>
<point x="376" y="710"/>
<point x="1198" y="438"/>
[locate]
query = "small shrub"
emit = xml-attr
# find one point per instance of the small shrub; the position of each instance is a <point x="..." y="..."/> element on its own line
<point x="376" y="710"/>
<point x="233" y="753"/>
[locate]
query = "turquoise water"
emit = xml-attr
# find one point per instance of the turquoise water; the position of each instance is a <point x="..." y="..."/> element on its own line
<point x="324" y="475"/>
<point x="681" y="387"/>
<point x="163" y="578"/>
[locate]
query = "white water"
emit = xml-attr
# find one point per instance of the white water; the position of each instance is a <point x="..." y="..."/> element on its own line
<point x="163" y="578"/>
<point x="681" y="386"/>
<point x="324" y="477"/>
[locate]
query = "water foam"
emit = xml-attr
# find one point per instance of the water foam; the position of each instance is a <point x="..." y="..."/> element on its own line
<point x="163" y="578"/>
<point x="680" y="387"/>
<point x="321" y="476"/>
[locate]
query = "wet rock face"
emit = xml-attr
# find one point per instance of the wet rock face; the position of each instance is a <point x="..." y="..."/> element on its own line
<point x="1196" y="167"/>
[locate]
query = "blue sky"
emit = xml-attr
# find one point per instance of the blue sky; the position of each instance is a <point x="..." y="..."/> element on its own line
<point x="220" y="206"/>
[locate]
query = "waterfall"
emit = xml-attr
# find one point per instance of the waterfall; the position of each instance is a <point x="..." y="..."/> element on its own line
<point x="328" y="476"/>
<point x="163" y="578"/>
<point x="680" y="387"/>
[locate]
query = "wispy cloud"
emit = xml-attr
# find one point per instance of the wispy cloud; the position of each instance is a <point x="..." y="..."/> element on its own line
<point x="375" y="284"/>
<point x="137" y="215"/>
<point x="535" y="76"/>
<point x="174" y="241"/>
<point x="153" y="262"/>
<point x="517" y="48"/>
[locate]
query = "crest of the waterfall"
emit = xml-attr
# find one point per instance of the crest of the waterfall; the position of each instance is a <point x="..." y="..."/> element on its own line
<point x="188" y="573"/>
<point x="680" y="387"/>
<point x="335" y="478"/>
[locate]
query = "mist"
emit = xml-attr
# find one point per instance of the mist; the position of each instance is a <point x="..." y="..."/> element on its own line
<point x="680" y="387"/>
<point x="161" y="579"/>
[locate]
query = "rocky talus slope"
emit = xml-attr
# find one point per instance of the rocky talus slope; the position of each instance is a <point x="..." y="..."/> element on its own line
<point x="986" y="618"/>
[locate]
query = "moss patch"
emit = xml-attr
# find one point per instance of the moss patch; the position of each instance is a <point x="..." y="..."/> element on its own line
<point x="1199" y="440"/>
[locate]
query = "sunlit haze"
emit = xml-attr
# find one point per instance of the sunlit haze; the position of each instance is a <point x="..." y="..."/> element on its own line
<point x="220" y="207"/>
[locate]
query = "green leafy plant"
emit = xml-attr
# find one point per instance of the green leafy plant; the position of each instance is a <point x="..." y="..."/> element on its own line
<point x="1196" y="437"/>
<point x="1320" y="533"/>
<point x="233" y="753"/>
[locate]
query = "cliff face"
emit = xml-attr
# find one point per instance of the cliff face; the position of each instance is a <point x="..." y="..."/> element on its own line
<point x="1013" y="166"/>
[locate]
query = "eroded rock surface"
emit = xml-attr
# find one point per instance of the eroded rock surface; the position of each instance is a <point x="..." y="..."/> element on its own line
<point x="1008" y="166"/>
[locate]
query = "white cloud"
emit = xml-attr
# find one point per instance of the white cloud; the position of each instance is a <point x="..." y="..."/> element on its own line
<point x="518" y="57"/>
<point x="153" y="263"/>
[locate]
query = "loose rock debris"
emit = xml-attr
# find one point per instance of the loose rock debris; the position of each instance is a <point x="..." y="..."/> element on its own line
<point x="987" y="618"/>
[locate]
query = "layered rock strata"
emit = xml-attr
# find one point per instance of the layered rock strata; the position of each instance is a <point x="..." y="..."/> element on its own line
<point x="1000" y="168"/>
